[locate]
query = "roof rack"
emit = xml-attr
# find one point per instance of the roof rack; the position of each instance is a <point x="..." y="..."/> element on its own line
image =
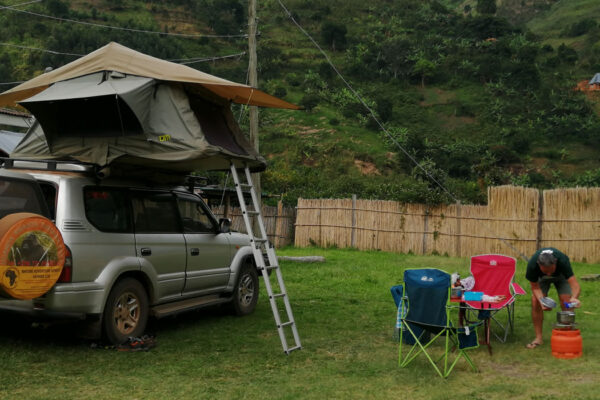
<point x="48" y="165"/>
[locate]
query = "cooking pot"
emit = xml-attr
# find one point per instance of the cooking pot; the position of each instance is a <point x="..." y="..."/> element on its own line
<point x="565" y="317"/>
<point x="456" y="292"/>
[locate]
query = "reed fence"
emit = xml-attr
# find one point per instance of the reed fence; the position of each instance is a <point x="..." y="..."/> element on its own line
<point x="516" y="222"/>
<point x="279" y="222"/>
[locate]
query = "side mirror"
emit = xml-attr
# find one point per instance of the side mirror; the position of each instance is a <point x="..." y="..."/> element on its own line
<point x="224" y="225"/>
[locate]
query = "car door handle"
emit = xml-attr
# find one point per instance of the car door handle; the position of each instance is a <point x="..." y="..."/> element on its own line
<point x="195" y="251"/>
<point x="146" y="251"/>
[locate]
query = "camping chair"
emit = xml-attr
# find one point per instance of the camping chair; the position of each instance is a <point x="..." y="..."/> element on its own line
<point x="424" y="314"/>
<point x="494" y="276"/>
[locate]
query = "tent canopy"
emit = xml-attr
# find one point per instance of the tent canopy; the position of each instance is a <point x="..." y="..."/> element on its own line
<point x="115" y="57"/>
<point x="120" y="108"/>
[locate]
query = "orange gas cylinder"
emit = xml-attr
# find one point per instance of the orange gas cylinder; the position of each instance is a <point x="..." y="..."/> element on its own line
<point x="566" y="343"/>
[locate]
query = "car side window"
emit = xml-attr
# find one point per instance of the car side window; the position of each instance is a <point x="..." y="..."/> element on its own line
<point x="195" y="217"/>
<point x="107" y="209"/>
<point x="155" y="212"/>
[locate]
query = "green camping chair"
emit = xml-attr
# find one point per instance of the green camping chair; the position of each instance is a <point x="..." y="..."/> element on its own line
<point x="424" y="315"/>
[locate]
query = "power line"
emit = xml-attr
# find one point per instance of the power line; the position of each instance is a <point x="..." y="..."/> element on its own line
<point x="365" y="104"/>
<point x="186" y="61"/>
<point x="191" y="60"/>
<point x="211" y="59"/>
<point x="43" y="50"/>
<point x="73" y="21"/>
<point x="21" y="4"/>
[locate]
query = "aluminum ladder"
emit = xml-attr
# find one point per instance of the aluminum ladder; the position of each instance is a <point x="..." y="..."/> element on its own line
<point x="260" y="244"/>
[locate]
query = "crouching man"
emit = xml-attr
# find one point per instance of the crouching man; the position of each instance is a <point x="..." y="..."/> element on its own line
<point x="549" y="266"/>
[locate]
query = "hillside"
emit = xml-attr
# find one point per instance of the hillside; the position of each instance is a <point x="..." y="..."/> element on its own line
<point x="473" y="98"/>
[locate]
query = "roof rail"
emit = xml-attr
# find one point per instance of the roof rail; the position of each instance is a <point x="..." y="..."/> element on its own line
<point x="48" y="165"/>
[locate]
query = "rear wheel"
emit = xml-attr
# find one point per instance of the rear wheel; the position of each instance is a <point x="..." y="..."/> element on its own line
<point x="126" y="311"/>
<point x="245" y="294"/>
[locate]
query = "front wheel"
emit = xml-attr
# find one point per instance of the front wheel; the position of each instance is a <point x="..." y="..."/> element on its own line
<point x="126" y="311"/>
<point x="245" y="294"/>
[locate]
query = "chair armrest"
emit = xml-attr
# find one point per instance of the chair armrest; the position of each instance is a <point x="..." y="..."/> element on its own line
<point x="517" y="289"/>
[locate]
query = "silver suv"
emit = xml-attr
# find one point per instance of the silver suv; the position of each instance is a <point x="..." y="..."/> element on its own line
<point x="134" y="250"/>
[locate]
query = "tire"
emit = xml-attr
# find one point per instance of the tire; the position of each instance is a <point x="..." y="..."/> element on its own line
<point x="245" y="294"/>
<point x="126" y="311"/>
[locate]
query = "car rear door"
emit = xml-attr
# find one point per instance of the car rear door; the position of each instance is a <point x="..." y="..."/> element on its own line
<point x="208" y="250"/>
<point x="159" y="240"/>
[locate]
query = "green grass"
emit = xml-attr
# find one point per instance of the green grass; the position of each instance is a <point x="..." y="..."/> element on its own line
<point x="345" y="316"/>
<point x="562" y="15"/>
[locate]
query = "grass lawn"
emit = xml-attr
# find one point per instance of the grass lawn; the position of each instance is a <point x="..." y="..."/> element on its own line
<point x="345" y="315"/>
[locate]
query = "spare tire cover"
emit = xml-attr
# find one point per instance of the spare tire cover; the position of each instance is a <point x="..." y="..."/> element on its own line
<point x="32" y="255"/>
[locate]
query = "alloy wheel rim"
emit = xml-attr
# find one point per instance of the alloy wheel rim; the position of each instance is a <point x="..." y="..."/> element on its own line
<point x="246" y="290"/>
<point x="127" y="313"/>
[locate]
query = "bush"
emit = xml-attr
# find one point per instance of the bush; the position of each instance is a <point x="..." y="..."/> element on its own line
<point x="280" y="91"/>
<point x="309" y="101"/>
<point x="293" y="79"/>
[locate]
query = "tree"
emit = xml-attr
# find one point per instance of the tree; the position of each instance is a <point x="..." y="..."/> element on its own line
<point x="486" y="7"/>
<point x="424" y="68"/>
<point x="334" y="35"/>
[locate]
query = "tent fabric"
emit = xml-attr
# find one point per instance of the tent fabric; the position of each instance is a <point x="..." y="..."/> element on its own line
<point x="130" y="121"/>
<point x="595" y="79"/>
<point x="8" y="141"/>
<point x="116" y="57"/>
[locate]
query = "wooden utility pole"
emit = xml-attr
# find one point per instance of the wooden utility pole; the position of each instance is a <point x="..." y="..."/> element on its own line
<point x="253" y="81"/>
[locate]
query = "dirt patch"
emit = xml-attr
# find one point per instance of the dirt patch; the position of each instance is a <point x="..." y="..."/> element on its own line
<point x="307" y="130"/>
<point x="366" y="168"/>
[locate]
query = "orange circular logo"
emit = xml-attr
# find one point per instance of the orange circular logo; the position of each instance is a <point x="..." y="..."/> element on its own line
<point x="32" y="254"/>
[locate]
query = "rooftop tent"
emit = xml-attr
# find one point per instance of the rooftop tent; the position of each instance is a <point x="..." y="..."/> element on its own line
<point x="595" y="79"/>
<point x="123" y="108"/>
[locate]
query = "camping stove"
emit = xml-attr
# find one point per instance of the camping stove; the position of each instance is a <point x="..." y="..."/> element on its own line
<point x="565" y="320"/>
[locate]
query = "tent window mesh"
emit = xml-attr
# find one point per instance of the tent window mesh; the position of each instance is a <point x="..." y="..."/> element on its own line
<point x="214" y="125"/>
<point x="104" y="116"/>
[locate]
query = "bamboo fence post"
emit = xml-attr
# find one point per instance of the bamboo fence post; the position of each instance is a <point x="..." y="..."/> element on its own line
<point x="540" y="222"/>
<point x="458" y="228"/>
<point x="320" y="211"/>
<point x="353" y="239"/>
<point x="277" y="240"/>
<point x="425" y="229"/>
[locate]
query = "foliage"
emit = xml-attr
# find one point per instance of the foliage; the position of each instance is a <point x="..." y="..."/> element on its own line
<point x="334" y="35"/>
<point x="469" y="95"/>
<point x="486" y="7"/>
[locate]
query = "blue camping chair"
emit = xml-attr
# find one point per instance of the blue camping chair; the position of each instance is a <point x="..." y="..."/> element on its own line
<point x="424" y="312"/>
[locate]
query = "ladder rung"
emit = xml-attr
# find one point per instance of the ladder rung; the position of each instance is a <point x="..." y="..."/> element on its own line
<point x="288" y="351"/>
<point x="286" y="324"/>
<point x="268" y="267"/>
<point x="252" y="212"/>
<point x="278" y="295"/>
<point x="257" y="240"/>
<point x="246" y="186"/>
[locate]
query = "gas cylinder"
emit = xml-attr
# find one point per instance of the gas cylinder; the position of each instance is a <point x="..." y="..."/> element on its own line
<point x="566" y="343"/>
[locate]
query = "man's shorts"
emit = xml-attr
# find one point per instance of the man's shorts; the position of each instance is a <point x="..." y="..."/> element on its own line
<point x="561" y="284"/>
